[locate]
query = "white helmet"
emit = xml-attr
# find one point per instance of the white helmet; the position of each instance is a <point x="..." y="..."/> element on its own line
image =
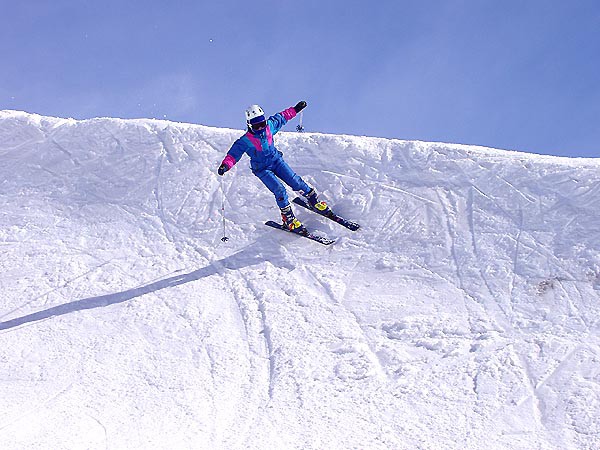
<point x="254" y="114"/>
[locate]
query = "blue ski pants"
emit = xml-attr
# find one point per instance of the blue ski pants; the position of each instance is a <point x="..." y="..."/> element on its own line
<point x="281" y="171"/>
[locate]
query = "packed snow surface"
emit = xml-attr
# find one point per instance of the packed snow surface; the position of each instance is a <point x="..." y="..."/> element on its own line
<point x="464" y="314"/>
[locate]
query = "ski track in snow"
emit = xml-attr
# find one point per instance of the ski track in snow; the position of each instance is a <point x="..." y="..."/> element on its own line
<point x="463" y="314"/>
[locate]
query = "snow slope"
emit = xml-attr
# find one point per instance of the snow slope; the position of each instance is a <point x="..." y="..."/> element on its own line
<point x="464" y="314"/>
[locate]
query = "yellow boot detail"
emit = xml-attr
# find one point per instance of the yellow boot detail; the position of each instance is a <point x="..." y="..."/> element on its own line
<point x="295" y="224"/>
<point x="321" y="206"/>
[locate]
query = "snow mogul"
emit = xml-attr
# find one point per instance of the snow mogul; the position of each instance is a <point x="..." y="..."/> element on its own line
<point x="267" y="162"/>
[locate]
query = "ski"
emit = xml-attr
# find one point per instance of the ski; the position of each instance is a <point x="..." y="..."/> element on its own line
<point x="313" y="237"/>
<point x="332" y="216"/>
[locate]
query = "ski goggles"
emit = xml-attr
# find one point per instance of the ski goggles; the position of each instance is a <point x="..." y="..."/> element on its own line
<point x="260" y="124"/>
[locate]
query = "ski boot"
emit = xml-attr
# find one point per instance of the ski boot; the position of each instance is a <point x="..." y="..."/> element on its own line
<point x="314" y="202"/>
<point x="290" y="221"/>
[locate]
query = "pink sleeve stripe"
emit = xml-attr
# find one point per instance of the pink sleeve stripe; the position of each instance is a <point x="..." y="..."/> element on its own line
<point x="229" y="161"/>
<point x="289" y="113"/>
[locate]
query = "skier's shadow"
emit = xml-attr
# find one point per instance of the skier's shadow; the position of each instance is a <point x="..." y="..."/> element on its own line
<point x="250" y="256"/>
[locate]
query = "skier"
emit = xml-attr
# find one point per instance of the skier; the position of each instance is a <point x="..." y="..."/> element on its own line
<point x="267" y="162"/>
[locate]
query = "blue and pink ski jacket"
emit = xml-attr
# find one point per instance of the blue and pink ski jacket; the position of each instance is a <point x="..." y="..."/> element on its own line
<point x="260" y="146"/>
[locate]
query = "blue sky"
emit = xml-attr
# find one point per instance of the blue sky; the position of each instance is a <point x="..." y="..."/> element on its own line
<point x="521" y="75"/>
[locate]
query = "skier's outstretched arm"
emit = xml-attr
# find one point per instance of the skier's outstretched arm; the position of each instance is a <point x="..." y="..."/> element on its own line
<point x="280" y="119"/>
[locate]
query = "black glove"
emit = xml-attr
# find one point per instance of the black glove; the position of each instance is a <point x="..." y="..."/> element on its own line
<point x="300" y="106"/>
<point x="222" y="169"/>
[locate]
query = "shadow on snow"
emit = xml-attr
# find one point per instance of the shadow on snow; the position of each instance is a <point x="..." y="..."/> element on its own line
<point x="247" y="257"/>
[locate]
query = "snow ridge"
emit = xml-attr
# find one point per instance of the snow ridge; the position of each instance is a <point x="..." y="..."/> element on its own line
<point x="463" y="314"/>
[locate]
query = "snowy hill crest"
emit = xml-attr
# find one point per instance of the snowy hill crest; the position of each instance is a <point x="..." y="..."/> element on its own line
<point x="463" y="314"/>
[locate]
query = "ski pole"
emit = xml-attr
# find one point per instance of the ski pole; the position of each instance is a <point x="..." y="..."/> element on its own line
<point x="224" y="238"/>
<point x="299" y="127"/>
